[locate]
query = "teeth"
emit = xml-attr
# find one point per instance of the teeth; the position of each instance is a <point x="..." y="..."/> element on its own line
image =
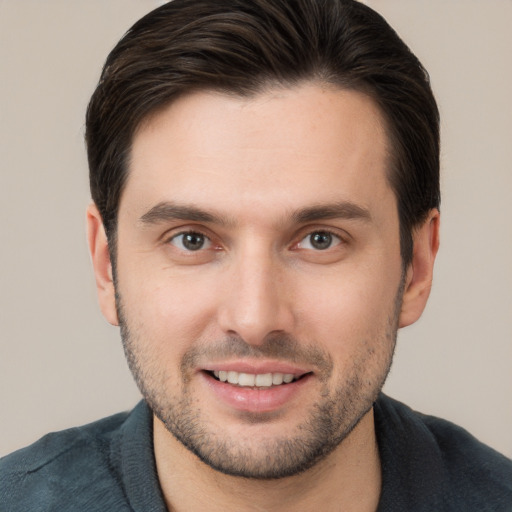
<point x="277" y="378"/>
<point x="261" y="380"/>
<point x="287" y="378"/>
<point x="233" y="377"/>
<point x="246" y="379"/>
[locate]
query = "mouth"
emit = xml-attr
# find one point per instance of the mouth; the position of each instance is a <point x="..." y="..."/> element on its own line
<point x="256" y="387"/>
<point x="255" y="380"/>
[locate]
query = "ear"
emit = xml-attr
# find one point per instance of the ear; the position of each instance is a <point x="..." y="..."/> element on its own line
<point x="420" y="271"/>
<point x="98" y="247"/>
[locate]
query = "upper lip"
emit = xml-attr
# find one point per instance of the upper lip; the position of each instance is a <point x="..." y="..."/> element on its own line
<point x="256" y="367"/>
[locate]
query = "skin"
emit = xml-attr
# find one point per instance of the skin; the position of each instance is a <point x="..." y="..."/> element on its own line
<point x="259" y="293"/>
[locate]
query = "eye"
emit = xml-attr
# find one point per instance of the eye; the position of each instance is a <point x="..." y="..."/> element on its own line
<point x="319" y="241"/>
<point x="190" y="241"/>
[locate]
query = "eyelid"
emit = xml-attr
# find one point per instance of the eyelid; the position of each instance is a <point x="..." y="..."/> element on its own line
<point x="333" y="236"/>
<point x="171" y="234"/>
<point x="340" y="234"/>
<point x="207" y="245"/>
<point x="183" y="230"/>
<point x="343" y="236"/>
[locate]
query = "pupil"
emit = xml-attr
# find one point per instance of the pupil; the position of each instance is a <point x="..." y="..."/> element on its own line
<point x="321" y="240"/>
<point x="193" y="241"/>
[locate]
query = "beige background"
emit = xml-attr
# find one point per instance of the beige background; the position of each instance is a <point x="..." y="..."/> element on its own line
<point x="61" y="364"/>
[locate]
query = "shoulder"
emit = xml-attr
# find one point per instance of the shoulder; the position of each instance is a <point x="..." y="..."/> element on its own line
<point x="62" y="468"/>
<point x="467" y="474"/>
<point x="476" y="470"/>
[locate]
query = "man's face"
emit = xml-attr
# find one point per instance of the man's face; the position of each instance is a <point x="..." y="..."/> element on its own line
<point x="258" y="241"/>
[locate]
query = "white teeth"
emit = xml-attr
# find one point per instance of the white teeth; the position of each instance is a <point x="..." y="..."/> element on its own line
<point x="233" y="377"/>
<point x="263" y="380"/>
<point x="246" y="379"/>
<point x="277" y="378"/>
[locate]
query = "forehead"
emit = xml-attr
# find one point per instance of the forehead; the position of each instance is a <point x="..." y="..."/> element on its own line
<point x="283" y="148"/>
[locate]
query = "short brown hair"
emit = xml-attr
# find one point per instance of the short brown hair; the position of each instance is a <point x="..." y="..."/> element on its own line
<point x="243" y="46"/>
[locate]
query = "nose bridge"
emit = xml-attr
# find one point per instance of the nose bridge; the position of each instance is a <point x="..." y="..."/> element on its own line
<point x="255" y="304"/>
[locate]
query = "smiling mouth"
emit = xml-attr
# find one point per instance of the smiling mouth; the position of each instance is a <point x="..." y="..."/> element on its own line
<point x="260" y="380"/>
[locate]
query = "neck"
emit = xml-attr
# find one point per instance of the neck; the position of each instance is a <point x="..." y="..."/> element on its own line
<point x="347" y="479"/>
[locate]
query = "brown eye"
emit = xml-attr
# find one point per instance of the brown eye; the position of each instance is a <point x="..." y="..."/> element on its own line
<point x="190" y="241"/>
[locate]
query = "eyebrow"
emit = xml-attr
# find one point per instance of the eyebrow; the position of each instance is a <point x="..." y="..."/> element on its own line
<point x="340" y="210"/>
<point x="168" y="211"/>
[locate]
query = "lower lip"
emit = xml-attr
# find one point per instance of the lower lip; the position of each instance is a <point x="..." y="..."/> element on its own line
<point x="256" y="399"/>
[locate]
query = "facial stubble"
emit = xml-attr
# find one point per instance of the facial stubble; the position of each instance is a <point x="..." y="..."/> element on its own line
<point x="329" y="421"/>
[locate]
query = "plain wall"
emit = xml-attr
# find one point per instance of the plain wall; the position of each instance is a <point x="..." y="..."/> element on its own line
<point x="62" y="365"/>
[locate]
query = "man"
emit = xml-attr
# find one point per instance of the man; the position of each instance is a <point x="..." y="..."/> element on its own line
<point x="265" y="177"/>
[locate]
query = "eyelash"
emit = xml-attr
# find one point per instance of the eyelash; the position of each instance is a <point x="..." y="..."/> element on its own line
<point x="198" y="233"/>
<point x="207" y="239"/>
<point x="331" y="234"/>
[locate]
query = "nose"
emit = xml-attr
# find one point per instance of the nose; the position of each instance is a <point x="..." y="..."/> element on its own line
<point x="256" y="302"/>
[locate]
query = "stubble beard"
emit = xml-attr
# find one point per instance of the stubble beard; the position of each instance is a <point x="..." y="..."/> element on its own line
<point x="329" y="421"/>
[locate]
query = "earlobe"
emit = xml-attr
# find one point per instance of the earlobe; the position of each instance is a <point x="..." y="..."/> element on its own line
<point x="100" y="256"/>
<point x="418" y="282"/>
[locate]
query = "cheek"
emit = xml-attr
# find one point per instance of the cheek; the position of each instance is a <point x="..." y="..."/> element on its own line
<point x="348" y="306"/>
<point x="167" y="310"/>
<point x="355" y="323"/>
